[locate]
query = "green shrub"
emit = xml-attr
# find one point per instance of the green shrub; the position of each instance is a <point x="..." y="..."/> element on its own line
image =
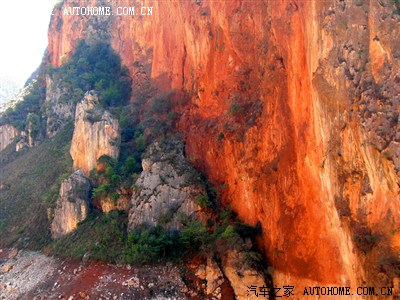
<point x="229" y="234"/>
<point x="116" y="174"/>
<point x="149" y="245"/>
<point x="115" y="179"/>
<point x="102" y="236"/>
<point x="203" y="201"/>
<point x="365" y="240"/>
<point x="101" y="191"/>
<point x="32" y="103"/>
<point x="130" y="165"/>
<point x="93" y="174"/>
<point x="140" y="142"/>
<point x="33" y="179"/>
<point x="106" y="239"/>
<point x="94" y="67"/>
<point x="227" y="214"/>
<point x="194" y="236"/>
<point x="115" y="197"/>
<point x="109" y="172"/>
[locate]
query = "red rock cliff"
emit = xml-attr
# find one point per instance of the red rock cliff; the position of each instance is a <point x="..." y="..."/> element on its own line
<point x="292" y="113"/>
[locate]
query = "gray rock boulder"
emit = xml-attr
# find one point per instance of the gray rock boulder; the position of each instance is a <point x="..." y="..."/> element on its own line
<point x="167" y="189"/>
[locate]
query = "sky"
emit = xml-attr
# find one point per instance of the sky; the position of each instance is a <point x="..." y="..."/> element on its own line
<point x="23" y="36"/>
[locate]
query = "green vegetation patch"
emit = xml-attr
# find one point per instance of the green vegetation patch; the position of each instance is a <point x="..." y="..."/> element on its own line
<point x="30" y="184"/>
<point x="31" y="108"/>
<point x="105" y="237"/>
<point x="93" y="67"/>
<point x="102" y="236"/>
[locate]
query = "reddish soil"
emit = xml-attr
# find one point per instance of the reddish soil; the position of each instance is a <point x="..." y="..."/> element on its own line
<point x="95" y="280"/>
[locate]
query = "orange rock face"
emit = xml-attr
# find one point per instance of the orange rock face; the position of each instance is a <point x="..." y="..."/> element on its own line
<point x="63" y="34"/>
<point x="96" y="133"/>
<point x="107" y="204"/>
<point x="290" y="109"/>
<point x="72" y="205"/>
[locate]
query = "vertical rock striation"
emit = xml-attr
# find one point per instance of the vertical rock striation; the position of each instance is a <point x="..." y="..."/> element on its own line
<point x="72" y="204"/>
<point x="166" y="189"/>
<point x="7" y="135"/>
<point x="58" y="112"/>
<point x="96" y="134"/>
<point x="242" y="277"/>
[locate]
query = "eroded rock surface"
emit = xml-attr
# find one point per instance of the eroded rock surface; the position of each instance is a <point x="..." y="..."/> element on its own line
<point x="59" y="106"/>
<point x="22" y="143"/>
<point x="241" y="276"/>
<point x="211" y="273"/>
<point x="107" y="204"/>
<point x="7" y="135"/>
<point x="96" y="134"/>
<point x="72" y="204"/>
<point x="167" y="188"/>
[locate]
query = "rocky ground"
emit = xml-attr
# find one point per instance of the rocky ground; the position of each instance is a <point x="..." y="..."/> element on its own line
<point x="32" y="275"/>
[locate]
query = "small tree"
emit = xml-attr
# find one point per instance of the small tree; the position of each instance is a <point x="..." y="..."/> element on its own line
<point x="33" y="121"/>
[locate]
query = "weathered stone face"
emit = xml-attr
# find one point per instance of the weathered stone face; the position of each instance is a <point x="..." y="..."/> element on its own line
<point x="23" y="143"/>
<point x="211" y="273"/>
<point x="96" y="134"/>
<point x="107" y="204"/>
<point x="167" y="188"/>
<point x="241" y="277"/>
<point x="58" y="112"/>
<point x="7" y="135"/>
<point x="72" y="204"/>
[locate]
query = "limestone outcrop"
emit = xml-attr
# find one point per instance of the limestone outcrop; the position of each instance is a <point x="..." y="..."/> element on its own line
<point x="72" y="204"/>
<point x="59" y="106"/>
<point x="96" y="133"/>
<point x="167" y="187"/>
<point x="22" y="143"/>
<point x="234" y="269"/>
<point x="242" y="276"/>
<point x="211" y="274"/>
<point x="7" y="135"/>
